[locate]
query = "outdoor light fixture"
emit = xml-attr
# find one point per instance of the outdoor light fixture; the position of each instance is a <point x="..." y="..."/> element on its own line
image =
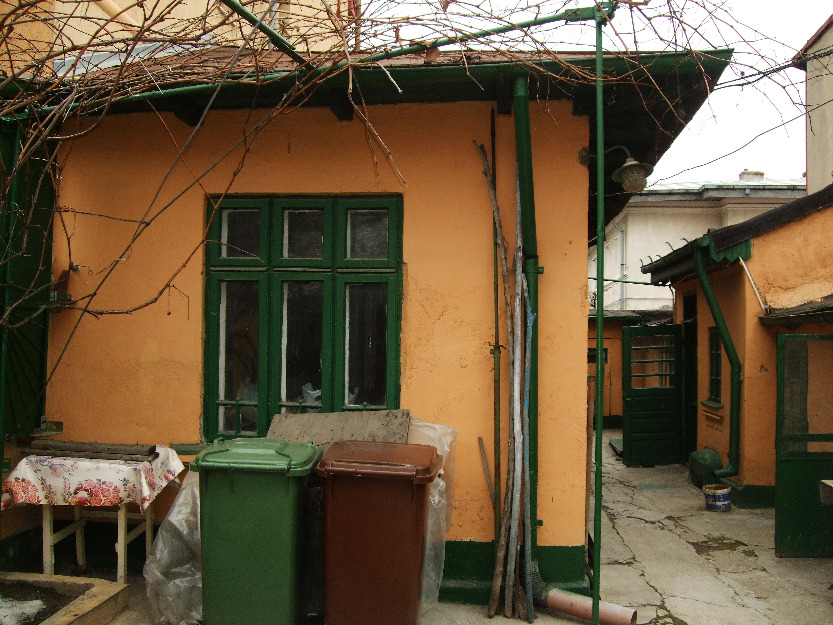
<point x="632" y="175"/>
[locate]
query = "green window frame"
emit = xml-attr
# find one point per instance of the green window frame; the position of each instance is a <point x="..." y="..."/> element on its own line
<point x="715" y="367"/>
<point x="300" y="289"/>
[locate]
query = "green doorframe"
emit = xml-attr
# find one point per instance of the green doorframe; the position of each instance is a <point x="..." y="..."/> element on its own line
<point x="803" y="527"/>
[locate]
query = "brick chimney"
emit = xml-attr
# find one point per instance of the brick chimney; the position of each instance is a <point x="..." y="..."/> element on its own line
<point x="747" y="174"/>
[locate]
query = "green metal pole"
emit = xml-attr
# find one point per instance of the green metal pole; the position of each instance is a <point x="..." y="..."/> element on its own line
<point x="277" y="40"/>
<point x="733" y="467"/>
<point x="600" y="250"/>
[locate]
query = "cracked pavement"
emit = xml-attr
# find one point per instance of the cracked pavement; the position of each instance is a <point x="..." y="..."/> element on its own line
<point x="677" y="563"/>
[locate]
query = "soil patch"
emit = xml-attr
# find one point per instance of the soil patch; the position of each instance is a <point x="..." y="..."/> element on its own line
<point x="23" y="603"/>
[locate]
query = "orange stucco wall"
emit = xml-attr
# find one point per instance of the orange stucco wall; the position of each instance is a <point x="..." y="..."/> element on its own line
<point x="791" y="265"/>
<point x="138" y="377"/>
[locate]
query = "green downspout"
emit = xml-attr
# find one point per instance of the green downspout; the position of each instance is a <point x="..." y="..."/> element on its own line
<point x="523" y="150"/>
<point x="734" y="362"/>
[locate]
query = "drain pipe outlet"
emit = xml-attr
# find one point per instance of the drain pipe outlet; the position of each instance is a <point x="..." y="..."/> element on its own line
<point x="582" y="607"/>
<point x="734" y="362"/>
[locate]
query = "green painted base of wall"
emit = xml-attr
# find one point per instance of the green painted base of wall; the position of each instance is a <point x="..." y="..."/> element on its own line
<point x="467" y="576"/>
<point x="751" y="495"/>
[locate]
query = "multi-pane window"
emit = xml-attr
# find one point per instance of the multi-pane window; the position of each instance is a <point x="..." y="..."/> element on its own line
<point x="303" y="308"/>
<point x="715" y="366"/>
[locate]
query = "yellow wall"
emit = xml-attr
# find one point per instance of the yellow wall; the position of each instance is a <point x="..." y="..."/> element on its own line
<point x="138" y="377"/>
<point x="26" y="37"/>
<point x="791" y="265"/>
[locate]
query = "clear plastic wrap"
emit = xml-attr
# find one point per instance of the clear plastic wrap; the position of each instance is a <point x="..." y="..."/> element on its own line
<point x="173" y="571"/>
<point x="441" y="496"/>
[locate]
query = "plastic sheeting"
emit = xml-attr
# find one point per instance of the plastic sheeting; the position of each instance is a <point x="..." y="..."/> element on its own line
<point x="173" y="571"/>
<point x="441" y="496"/>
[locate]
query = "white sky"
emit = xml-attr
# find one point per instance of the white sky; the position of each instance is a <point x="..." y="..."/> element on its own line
<point x="736" y="116"/>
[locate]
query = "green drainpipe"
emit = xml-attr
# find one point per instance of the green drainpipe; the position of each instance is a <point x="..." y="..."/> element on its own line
<point x="734" y="362"/>
<point x="523" y="148"/>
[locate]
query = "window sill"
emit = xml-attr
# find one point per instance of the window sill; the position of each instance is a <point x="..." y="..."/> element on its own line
<point x="708" y="403"/>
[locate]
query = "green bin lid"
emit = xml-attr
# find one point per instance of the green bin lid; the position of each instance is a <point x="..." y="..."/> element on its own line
<point x="259" y="454"/>
<point x="419" y="463"/>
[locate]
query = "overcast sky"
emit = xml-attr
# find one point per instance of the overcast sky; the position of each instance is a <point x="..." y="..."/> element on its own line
<point x="736" y="116"/>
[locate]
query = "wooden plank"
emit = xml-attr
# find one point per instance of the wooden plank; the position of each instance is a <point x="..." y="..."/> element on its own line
<point x="52" y="453"/>
<point x="98" y="448"/>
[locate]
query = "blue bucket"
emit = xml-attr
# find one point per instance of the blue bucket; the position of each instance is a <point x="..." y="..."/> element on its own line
<point x="718" y="497"/>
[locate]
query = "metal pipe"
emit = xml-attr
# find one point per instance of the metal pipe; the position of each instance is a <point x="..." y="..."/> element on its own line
<point x="523" y="148"/>
<point x="754" y="286"/>
<point x="111" y="8"/>
<point x="496" y="347"/>
<point x="582" y="607"/>
<point x="276" y="38"/>
<point x="621" y="265"/>
<point x="734" y="363"/>
<point x="600" y="252"/>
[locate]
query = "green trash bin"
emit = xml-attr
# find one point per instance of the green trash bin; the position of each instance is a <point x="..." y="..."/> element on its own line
<point x="251" y="529"/>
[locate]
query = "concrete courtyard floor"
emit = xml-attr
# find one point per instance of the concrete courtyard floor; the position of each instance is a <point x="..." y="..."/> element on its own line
<point x="669" y="558"/>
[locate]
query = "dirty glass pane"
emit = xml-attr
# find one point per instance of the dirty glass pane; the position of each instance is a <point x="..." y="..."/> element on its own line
<point x="240" y="233"/>
<point x="652" y="361"/>
<point x="367" y="234"/>
<point x="366" y="344"/>
<point x="303" y="234"/>
<point x="239" y="309"/>
<point x="302" y="336"/>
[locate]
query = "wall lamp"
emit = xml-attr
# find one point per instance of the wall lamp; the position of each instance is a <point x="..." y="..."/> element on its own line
<point x="632" y="175"/>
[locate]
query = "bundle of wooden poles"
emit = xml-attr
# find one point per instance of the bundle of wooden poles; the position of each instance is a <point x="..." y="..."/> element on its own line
<point x="513" y="570"/>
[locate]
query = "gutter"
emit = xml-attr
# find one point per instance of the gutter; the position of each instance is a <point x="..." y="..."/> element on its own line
<point x="734" y="362"/>
<point x="523" y="148"/>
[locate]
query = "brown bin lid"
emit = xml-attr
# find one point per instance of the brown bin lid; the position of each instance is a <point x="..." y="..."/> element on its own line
<point x="419" y="463"/>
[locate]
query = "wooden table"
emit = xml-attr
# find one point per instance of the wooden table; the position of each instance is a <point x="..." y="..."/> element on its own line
<point x="84" y="483"/>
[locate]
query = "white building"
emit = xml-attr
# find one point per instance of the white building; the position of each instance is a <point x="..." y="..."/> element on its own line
<point x="665" y="217"/>
<point x="816" y="58"/>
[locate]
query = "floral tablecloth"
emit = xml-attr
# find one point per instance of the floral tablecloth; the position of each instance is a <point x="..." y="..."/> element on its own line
<point x="88" y="482"/>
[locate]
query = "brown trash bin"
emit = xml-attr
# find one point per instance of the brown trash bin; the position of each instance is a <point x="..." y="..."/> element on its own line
<point x="375" y="521"/>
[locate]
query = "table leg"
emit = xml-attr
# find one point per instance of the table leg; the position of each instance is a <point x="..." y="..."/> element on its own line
<point x="148" y="528"/>
<point x="121" y="546"/>
<point x="80" y="543"/>
<point x="48" y="549"/>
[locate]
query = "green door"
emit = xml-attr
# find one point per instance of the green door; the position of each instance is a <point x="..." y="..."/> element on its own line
<point x="653" y="399"/>
<point x="803" y="445"/>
